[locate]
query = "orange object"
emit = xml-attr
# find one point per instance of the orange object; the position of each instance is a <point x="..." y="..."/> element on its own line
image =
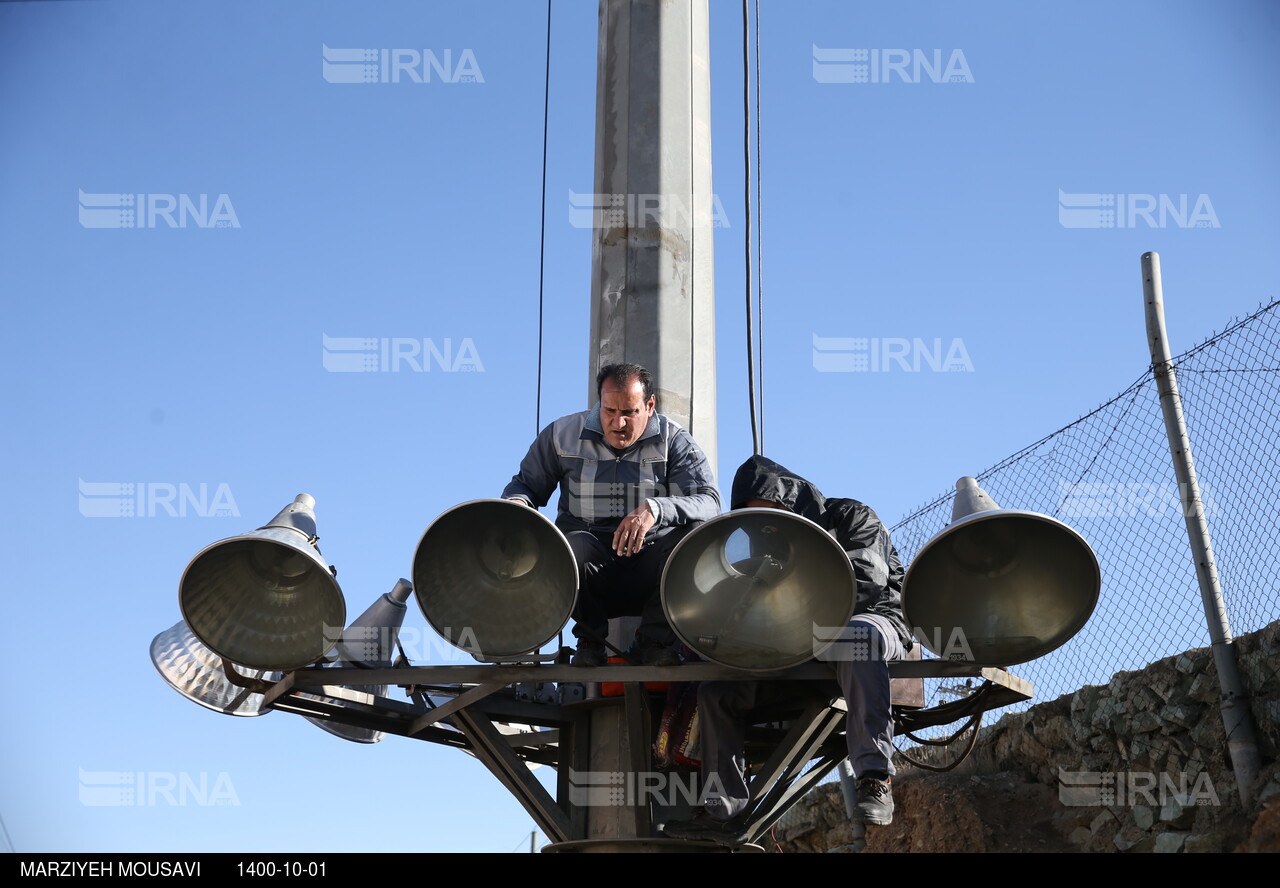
<point x="614" y="688"/>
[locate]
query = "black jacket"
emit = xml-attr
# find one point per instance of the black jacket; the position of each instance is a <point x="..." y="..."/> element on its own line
<point x="854" y="525"/>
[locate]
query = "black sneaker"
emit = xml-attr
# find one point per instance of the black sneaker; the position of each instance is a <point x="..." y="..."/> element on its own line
<point x="589" y="654"/>
<point x="702" y="827"/>
<point x="659" y="655"/>
<point x="875" y="801"/>
<point x="654" y="653"/>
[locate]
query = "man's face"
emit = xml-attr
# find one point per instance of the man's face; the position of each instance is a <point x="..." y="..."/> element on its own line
<point x="624" y="412"/>
<point x="763" y="504"/>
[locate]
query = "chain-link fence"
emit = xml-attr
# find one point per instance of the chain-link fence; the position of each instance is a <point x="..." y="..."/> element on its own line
<point x="1110" y="476"/>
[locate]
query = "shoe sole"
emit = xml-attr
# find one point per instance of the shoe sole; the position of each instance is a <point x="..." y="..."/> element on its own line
<point x="702" y="833"/>
<point x="874" y="821"/>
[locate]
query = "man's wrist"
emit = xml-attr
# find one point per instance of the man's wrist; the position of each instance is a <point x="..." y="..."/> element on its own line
<point x="654" y="509"/>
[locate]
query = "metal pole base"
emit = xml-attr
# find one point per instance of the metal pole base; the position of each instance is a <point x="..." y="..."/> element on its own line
<point x="644" y="846"/>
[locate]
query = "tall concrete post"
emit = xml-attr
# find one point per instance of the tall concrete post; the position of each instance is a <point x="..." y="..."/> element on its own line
<point x="652" y="289"/>
<point x="652" y="273"/>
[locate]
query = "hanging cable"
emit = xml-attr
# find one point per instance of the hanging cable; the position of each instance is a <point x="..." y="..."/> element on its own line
<point x="759" y="239"/>
<point x="746" y="176"/>
<point x="542" y="248"/>
<point x="542" y="243"/>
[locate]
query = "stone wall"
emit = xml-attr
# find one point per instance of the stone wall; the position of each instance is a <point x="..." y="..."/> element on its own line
<point x="1160" y="776"/>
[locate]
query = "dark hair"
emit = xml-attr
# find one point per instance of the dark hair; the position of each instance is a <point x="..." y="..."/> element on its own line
<point x="623" y="375"/>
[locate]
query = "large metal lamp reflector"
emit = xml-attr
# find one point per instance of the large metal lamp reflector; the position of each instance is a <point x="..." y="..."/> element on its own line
<point x="197" y="673"/>
<point x="354" y="733"/>
<point x="200" y="675"/>
<point x="1000" y="585"/>
<point x="266" y="599"/>
<point x="369" y="642"/>
<point x="754" y="588"/>
<point x="495" y="578"/>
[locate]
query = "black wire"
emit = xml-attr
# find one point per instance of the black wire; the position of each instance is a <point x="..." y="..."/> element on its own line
<point x="974" y="724"/>
<point x="542" y="244"/>
<point x="759" y="236"/>
<point x="746" y="176"/>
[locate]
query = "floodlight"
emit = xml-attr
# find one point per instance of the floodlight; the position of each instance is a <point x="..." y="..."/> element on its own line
<point x="495" y="578"/>
<point x="999" y="586"/>
<point x="751" y="588"/>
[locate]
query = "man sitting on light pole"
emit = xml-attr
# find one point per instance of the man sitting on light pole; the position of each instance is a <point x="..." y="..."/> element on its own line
<point x="876" y="634"/>
<point x="632" y="484"/>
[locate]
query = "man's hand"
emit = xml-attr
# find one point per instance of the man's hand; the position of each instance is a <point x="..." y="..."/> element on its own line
<point x="629" y="536"/>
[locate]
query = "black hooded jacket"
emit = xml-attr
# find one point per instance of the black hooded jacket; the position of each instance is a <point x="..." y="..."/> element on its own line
<point x="854" y="525"/>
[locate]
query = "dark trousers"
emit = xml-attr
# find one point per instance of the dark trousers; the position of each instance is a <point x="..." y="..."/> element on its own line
<point x="861" y="666"/>
<point x="611" y="585"/>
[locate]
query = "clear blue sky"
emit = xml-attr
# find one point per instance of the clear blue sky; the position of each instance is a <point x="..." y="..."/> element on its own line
<point x="194" y="355"/>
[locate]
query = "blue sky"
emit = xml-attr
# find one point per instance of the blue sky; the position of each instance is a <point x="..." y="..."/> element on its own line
<point x="175" y="357"/>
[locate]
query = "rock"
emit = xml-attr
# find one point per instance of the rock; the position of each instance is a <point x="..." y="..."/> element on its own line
<point x="1182" y="714"/>
<point x="1177" y="813"/>
<point x="1193" y="662"/>
<point x="1146" y="736"/>
<point x="1269" y="790"/>
<point x="1083" y="703"/>
<point x="1055" y="733"/>
<point x="1207" y="733"/>
<point x="1144" y="846"/>
<point x="1210" y="844"/>
<point x="1144" y="722"/>
<point x="1103" y="820"/>
<point x="1147" y="698"/>
<point x="1203" y="689"/>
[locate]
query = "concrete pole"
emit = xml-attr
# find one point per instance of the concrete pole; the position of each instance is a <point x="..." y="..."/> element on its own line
<point x="652" y="279"/>
<point x="1236" y="716"/>
<point x="652" y="287"/>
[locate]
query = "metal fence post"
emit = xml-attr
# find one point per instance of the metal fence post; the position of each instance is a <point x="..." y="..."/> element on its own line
<point x="1236" y="716"/>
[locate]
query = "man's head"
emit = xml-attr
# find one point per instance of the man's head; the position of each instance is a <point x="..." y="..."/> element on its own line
<point x="626" y="403"/>
<point x="764" y="504"/>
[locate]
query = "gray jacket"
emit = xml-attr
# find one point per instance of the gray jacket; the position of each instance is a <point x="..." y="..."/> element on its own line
<point x="600" y="486"/>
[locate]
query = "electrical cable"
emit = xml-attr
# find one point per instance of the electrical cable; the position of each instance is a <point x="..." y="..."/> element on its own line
<point x="542" y="243"/>
<point x="974" y="724"/>
<point x="759" y="242"/>
<point x="746" y="176"/>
